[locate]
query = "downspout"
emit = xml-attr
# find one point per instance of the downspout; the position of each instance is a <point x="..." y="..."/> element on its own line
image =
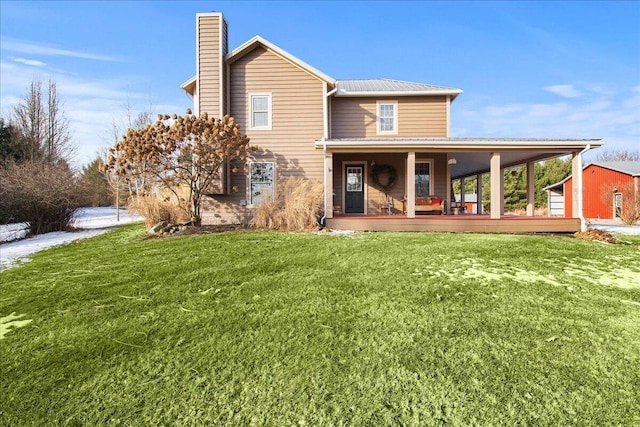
<point x="583" y="221"/>
<point x="324" y="153"/>
<point x="324" y="182"/>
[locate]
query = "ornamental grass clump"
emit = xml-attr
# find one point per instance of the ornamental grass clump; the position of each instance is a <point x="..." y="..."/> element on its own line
<point x="296" y="206"/>
<point x="155" y="209"/>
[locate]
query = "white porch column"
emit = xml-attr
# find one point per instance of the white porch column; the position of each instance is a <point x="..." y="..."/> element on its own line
<point x="497" y="187"/>
<point x="328" y="184"/>
<point x="462" y="205"/>
<point x="479" y="194"/>
<point x="411" y="184"/>
<point x="531" y="189"/>
<point x="576" y="172"/>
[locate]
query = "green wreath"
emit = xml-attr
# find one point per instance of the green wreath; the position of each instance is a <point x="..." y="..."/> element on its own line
<point x="381" y="170"/>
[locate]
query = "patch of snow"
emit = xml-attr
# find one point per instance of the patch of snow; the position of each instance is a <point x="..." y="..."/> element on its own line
<point x="617" y="228"/>
<point x="11" y="232"/>
<point x="91" y="222"/>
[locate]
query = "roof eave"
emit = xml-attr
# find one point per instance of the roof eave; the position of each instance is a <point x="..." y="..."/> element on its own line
<point x="190" y="85"/>
<point x="470" y="144"/>
<point x="361" y="94"/>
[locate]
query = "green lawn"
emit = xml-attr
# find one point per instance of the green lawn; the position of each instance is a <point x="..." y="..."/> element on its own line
<point x="282" y="329"/>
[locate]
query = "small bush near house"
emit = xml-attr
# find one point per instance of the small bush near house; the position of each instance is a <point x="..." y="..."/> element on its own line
<point x="43" y="194"/>
<point x="296" y="207"/>
<point x="155" y="209"/>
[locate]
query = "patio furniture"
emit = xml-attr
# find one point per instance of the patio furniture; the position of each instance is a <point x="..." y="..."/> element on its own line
<point x="429" y="204"/>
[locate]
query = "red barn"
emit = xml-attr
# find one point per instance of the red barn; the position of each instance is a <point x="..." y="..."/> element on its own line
<point x="608" y="190"/>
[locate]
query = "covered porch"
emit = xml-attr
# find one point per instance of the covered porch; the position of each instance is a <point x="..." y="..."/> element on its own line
<point x="358" y="173"/>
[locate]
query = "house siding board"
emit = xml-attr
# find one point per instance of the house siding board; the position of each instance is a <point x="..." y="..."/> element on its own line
<point x="418" y="116"/>
<point x="209" y="54"/>
<point x="297" y="122"/>
<point x="597" y="191"/>
<point x="556" y="203"/>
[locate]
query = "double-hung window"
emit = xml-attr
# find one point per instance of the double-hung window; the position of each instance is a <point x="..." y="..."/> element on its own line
<point x="260" y="111"/>
<point x="387" y="117"/>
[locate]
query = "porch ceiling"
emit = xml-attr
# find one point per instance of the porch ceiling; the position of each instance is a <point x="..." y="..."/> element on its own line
<point x="477" y="162"/>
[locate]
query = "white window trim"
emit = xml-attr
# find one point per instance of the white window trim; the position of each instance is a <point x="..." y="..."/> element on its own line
<point x="249" y="195"/>
<point x="395" y="118"/>
<point x="250" y="110"/>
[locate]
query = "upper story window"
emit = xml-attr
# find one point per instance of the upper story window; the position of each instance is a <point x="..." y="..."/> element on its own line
<point x="387" y="117"/>
<point x="260" y="111"/>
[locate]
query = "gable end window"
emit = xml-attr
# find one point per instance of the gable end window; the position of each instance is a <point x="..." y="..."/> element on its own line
<point x="387" y="117"/>
<point x="260" y="111"/>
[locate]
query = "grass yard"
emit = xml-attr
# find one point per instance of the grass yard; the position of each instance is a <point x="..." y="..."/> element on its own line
<point x="279" y="329"/>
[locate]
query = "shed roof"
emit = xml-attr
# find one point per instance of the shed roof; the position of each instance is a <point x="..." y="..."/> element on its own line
<point x="378" y="87"/>
<point x="628" y="167"/>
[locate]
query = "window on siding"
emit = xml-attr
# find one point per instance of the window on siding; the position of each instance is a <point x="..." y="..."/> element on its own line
<point x="260" y="111"/>
<point x="387" y="117"/>
<point x="261" y="182"/>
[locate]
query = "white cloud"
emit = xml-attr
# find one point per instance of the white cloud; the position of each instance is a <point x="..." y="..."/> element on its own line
<point x="566" y="91"/>
<point x="32" y="62"/>
<point x="34" y="48"/>
<point x="613" y="115"/>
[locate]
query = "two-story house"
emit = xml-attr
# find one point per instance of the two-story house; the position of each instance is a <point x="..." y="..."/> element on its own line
<point x="352" y="134"/>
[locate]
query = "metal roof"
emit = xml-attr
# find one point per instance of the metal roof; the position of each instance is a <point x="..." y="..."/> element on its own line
<point x="628" y="167"/>
<point x="377" y="87"/>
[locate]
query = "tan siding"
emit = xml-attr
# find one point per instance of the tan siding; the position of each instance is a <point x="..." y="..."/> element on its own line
<point x="297" y="122"/>
<point x="419" y="116"/>
<point x="375" y="197"/>
<point x="209" y="51"/>
<point x="225" y="50"/>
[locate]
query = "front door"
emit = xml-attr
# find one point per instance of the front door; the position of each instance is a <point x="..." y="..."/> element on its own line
<point x="354" y="190"/>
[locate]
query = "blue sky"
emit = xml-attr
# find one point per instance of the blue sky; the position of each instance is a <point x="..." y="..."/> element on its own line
<point x="527" y="69"/>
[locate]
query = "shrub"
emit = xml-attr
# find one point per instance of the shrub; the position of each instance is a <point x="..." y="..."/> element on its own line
<point x="44" y="195"/>
<point x="296" y="206"/>
<point x="630" y="210"/>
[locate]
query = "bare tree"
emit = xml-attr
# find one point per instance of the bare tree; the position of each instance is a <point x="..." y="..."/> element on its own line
<point x="613" y="155"/>
<point x="28" y="119"/>
<point x="57" y="135"/>
<point x="41" y="124"/>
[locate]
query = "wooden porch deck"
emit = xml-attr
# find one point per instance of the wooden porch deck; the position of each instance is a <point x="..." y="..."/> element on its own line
<point x="455" y="223"/>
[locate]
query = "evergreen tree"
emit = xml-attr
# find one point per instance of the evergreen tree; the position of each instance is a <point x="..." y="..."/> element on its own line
<point x="96" y="187"/>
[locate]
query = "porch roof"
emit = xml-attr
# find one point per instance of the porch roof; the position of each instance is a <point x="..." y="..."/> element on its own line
<point x="472" y="155"/>
<point x="389" y="87"/>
